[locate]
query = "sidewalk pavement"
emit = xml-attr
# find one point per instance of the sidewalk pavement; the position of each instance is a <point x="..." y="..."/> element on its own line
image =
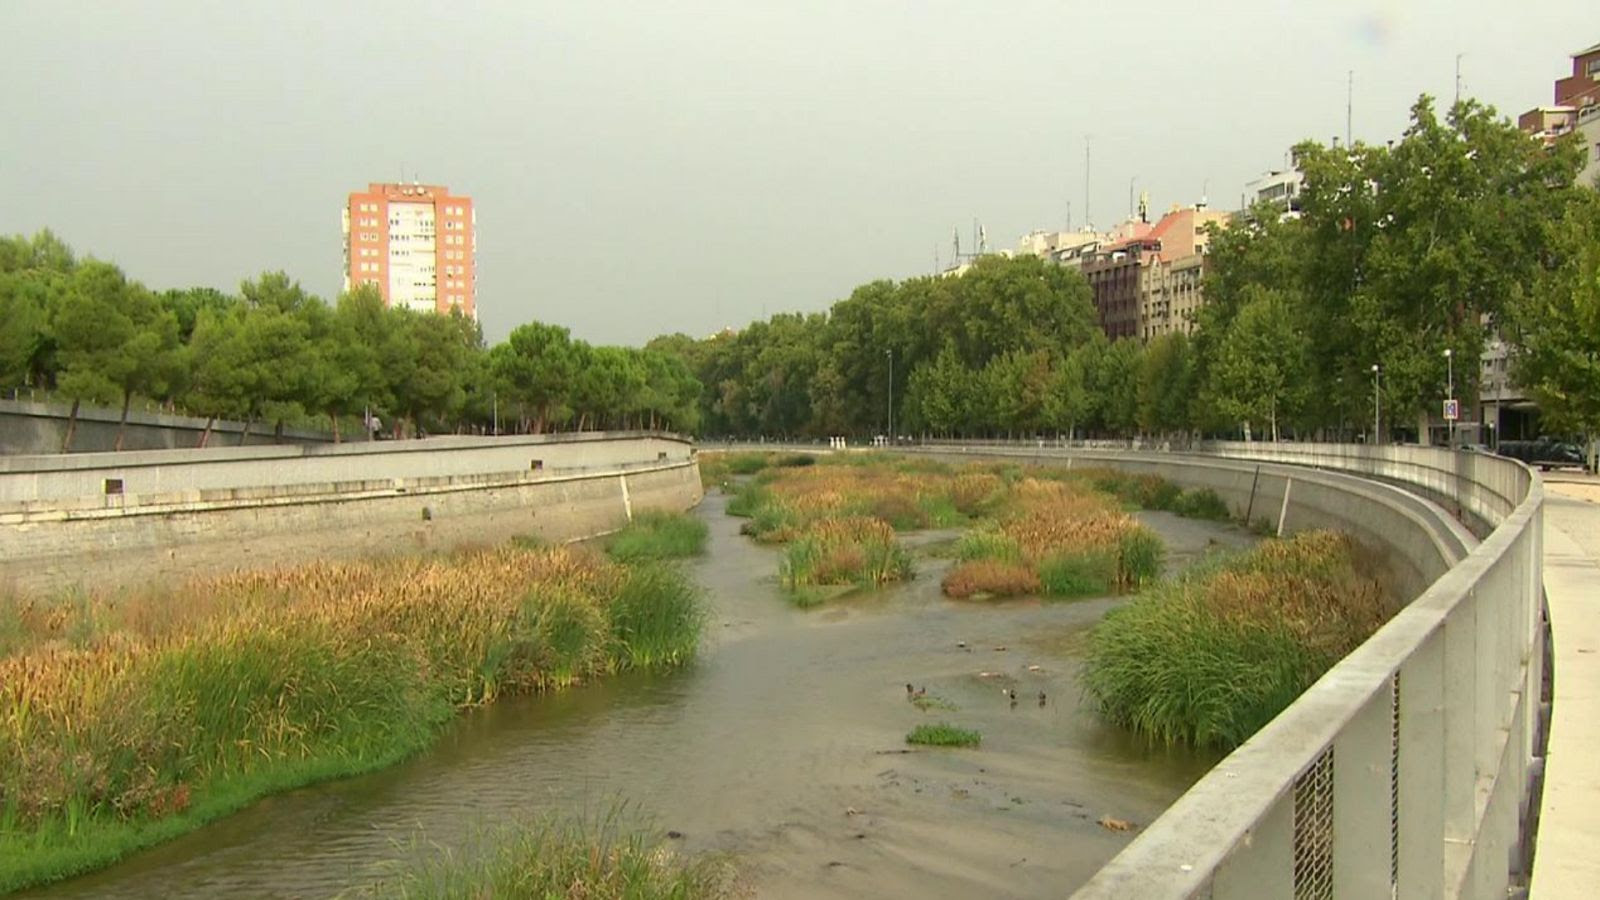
<point x="1567" y="860"/>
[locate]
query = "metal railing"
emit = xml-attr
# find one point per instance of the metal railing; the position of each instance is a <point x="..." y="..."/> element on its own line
<point x="1405" y="771"/>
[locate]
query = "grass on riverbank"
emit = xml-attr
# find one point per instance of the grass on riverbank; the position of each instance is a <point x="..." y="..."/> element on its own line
<point x="125" y="721"/>
<point x="1211" y="657"/>
<point x="943" y="734"/>
<point x="659" y="536"/>
<point x="718" y="468"/>
<point x="603" y="860"/>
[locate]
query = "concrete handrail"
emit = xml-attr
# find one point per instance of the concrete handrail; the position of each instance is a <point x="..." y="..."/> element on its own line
<point x="1406" y="770"/>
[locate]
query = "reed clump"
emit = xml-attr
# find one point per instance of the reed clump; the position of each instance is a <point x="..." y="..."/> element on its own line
<point x="602" y="860"/>
<point x="847" y="550"/>
<point x="659" y="535"/>
<point x="1059" y="538"/>
<point x="942" y="734"/>
<point x="118" y="727"/>
<point x="1211" y="657"/>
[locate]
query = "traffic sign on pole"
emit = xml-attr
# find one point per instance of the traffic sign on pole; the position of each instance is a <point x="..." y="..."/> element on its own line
<point x="1452" y="410"/>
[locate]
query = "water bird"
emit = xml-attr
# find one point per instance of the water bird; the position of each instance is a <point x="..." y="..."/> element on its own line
<point x="916" y="694"/>
<point x="1041" y="698"/>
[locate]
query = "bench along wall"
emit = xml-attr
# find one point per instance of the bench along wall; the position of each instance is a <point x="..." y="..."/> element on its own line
<point x="146" y="538"/>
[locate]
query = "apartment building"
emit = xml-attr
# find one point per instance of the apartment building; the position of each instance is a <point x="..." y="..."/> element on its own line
<point x="417" y="243"/>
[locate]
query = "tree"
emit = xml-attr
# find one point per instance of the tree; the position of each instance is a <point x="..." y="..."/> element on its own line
<point x="536" y="366"/>
<point x="1166" y="381"/>
<point x="114" y="341"/>
<point x="1263" y="365"/>
<point x="1557" y="329"/>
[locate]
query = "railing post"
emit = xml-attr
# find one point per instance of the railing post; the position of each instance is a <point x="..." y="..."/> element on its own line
<point x="1363" y="754"/>
<point x="1262" y="866"/>
<point x="1420" y="804"/>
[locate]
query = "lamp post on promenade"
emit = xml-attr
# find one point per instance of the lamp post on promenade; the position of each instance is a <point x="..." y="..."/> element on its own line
<point x="890" y="353"/>
<point x="1450" y="409"/>
<point x="1377" y="375"/>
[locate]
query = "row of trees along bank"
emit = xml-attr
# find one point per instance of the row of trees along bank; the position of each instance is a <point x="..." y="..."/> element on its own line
<point x="277" y="355"/>
<point x="1462" y="227"/>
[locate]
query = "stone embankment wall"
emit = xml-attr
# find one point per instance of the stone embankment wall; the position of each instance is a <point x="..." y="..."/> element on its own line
<point x="174" y="518"/>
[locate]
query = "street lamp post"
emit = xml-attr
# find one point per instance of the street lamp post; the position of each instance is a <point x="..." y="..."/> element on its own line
<point x="1450" y="385"/>
<point x="494" y="397"/>
<point x="890" y="353"/>
<point x="1377" y="374"/>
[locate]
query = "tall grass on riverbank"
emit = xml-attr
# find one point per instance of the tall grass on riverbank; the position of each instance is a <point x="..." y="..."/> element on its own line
<point x="658" y="536"/>
<point x="124" y="722"/>
<point x="1059" y="538"/>
<point x="604" y="860"/>
<point x="1211" y="657"/>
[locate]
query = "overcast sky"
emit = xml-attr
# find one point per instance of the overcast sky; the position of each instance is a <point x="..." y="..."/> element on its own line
<point x="646" y="168"/>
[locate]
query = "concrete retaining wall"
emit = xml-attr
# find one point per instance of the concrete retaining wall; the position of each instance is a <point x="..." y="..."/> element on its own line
<point x="130" y="540"/>
<point x="54" y="480"/>
<point x="28" y="427"/>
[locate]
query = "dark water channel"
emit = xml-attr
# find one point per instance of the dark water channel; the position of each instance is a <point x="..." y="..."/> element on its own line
<point x="783" y="746"/>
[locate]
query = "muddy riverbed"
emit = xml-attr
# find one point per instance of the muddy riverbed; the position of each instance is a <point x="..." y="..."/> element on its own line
<point x="783" y="746"/>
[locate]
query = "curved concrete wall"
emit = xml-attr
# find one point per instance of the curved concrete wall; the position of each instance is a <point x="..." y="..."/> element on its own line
<point x="1421" y="540"/>
<point x="1409" y="768"/>
<point x="128" y="540"/>
<point x="27" y="427"/>
<point x="52" y="480"/>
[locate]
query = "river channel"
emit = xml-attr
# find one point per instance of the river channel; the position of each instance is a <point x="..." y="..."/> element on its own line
<point x="783" y="746"/>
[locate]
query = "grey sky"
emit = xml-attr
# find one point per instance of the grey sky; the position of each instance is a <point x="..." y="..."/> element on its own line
<point x="643" y="168"/>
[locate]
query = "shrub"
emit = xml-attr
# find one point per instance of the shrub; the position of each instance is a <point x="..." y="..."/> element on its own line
<point x="1208" y="659"/>
<point x="943" y="735"/>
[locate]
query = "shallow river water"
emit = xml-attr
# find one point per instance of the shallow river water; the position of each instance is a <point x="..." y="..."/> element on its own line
<point x="783" y="745"/>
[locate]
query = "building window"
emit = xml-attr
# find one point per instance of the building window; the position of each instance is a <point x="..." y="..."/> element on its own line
<point x="1593" y="68"/>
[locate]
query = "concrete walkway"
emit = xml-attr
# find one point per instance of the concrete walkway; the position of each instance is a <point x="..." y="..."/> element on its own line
<point x="1567" y="861"/>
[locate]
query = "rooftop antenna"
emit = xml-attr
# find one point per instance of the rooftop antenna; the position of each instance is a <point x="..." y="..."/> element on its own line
<point x="1349" y="107"/>
<point x="1069" y="215"/>
<point x="955" y="257"/>
<point x="1458" y="77"/>
<point x="1086" y="217"/>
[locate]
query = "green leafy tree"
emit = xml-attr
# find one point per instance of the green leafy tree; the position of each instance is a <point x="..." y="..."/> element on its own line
<point x="1557" y="329"/>
<point x="1262" y="368"/>
<point x="114" y="341"/>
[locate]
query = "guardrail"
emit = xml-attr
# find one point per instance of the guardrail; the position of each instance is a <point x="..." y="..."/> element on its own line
<point x="1407" y="769"/>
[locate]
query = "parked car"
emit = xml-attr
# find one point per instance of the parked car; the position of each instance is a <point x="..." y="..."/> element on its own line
<point x="1546" y="453"/>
